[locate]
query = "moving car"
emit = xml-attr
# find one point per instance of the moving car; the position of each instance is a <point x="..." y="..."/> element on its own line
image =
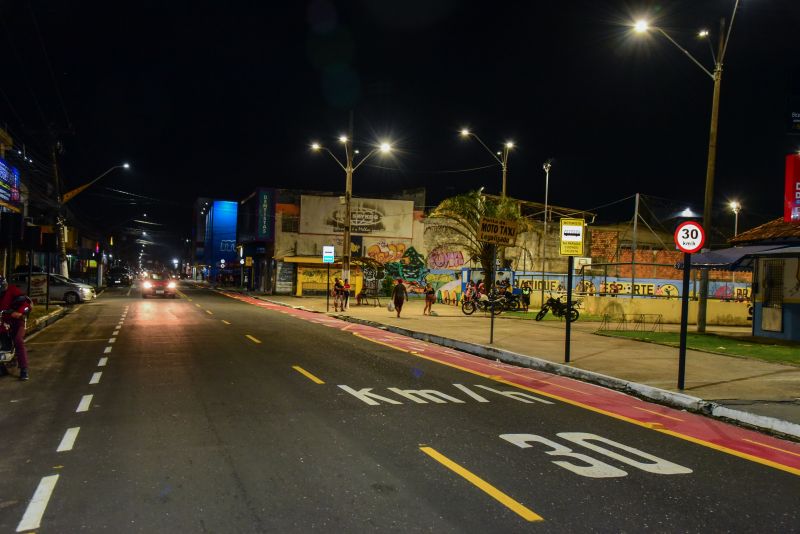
<point x="159" y="285"/>
<point x="118" y="276"/>
<point x="61" y="288"/>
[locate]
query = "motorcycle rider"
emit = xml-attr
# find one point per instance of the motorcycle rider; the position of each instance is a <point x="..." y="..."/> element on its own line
<point x="14" y="300"/>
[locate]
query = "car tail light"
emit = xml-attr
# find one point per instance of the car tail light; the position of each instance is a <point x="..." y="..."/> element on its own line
<point x="147" y="285"/>
<point x="171" y="285"/>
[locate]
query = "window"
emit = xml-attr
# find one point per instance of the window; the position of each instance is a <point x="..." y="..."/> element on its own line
<point x="773" y="284"/>
<point x="290" y="223"/>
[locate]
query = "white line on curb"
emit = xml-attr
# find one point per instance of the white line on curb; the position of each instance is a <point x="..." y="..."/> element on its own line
<point x="86" y="401"/>
<point x="33" y="514"/>
<point x="68" y="441"/>
<point x="103" y="361"/>
<point x="95" y="378"/>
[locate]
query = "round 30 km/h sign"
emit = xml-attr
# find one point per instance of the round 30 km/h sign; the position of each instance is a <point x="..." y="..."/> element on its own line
<point x="690" y="237"/>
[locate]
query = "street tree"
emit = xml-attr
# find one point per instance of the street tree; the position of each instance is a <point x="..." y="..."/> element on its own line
<point x="456" y="220"/>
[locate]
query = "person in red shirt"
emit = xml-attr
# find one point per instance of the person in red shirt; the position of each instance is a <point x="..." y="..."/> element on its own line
<point x="18" y="307"/>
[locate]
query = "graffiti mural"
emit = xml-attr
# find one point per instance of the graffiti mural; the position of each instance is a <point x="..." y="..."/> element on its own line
<point x="385" y="252"/>
<point x="440" y="258"/>
<point x="410" y="267"/>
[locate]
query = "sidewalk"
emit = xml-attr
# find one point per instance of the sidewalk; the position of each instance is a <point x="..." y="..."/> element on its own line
<point x="752" y="386"/>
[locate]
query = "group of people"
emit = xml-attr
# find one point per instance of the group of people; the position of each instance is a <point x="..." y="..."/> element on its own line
<point x="341" y="294"/>
<point x="400" y="296"/>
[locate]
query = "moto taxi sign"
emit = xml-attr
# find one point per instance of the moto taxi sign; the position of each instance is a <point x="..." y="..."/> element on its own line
<point x="572" y="232"/>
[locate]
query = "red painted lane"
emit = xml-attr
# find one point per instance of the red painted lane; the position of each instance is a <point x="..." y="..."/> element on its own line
<point x="685" y="425"/>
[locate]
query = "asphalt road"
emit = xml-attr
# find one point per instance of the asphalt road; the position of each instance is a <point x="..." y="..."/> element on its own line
<point x="209" y="414"/>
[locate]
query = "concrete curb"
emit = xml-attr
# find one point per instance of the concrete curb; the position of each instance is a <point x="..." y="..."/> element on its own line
<point x="661" y="396"/>
<point x="43" y="322"/>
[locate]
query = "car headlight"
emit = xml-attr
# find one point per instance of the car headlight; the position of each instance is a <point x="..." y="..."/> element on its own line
<point x="147" y="285"/>
<point x="171" y="285"/>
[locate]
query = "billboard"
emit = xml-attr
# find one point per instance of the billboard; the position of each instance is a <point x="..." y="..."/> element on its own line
<point x="791" y="197"/>
<point x="9" y="186"/>
<point x="368" y="216"/>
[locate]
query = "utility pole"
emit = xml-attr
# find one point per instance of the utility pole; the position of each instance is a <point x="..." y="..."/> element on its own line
<point x="61" y="227"/>
<point x="633" y="248"/>
<point x="711" y="168"/>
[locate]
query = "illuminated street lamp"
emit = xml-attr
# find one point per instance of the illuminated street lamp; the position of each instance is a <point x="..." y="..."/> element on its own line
<point x="735" y="208"/>
<point x="501" y="157"/>
<point x="349" y="167"/>
<point x="643" y="26"/>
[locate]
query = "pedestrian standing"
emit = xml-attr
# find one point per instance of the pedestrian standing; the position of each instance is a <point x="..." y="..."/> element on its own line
<point x="430" y="297"/>
<point x="526" y="295"/>
<point x="399" y="296"/>
<point x="345" y="294"/>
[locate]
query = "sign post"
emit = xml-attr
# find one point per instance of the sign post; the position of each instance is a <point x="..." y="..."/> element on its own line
<point x="571" y="246"/>
<point x="689" y="238"/>
<point x="498" y="232"/>
<point x="327" y="259"/>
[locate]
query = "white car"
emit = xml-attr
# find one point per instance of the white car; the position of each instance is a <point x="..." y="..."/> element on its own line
<point x="61" y="288"/>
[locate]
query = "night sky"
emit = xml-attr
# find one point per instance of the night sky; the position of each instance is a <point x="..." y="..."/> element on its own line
<point x="216" y="98"/>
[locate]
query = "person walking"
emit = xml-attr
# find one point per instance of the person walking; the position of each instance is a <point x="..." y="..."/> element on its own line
<point x="399" y="296"/>
<point x="14" y="302"/>
<point x="430" y="297"/>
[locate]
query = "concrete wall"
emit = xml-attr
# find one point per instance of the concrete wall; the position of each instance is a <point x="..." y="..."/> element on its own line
<point x="719" y="313"/>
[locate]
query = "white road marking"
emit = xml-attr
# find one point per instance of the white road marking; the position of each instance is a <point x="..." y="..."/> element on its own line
<point x="68" y="441"/>
<point x="33" y="514"/>
<point x="103" y="361"/>
<point x="95" y="378"/>
<point x="128" y="294"/>
<point x="115" y="333"/>
<point x="108" y="349"/>
<point x="112" y="340"/>
<point x="86" y="401"/>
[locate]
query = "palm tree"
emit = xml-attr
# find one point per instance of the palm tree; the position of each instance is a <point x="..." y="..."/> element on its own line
<point x="456" y="221"/>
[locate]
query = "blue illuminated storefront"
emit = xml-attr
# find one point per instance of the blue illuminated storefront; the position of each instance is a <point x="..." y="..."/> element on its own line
<point x="219" y="251"/>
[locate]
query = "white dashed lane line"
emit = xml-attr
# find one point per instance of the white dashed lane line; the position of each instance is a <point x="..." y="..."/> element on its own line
<point x="112" y="340"/>
<point x="33" y="514"/>
<point x="68" y="441"/>
<point x="108" y="349"/>
<point x="95" y="378"/>
<point x="103" y="361"/>
<point x="83" y="406"/>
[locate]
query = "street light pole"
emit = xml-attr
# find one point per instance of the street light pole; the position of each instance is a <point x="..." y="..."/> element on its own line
<point x="349" y="169"/>
<point x="719" y="58"/>
<point x="736" y="208"/>
<point x="546" y="167"/>
<point x="501" y="157"/>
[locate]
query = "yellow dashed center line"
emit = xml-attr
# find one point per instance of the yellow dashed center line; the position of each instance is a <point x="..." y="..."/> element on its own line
<point x="226" y="322"/>
<point x="516" y="507"/>
<point x="251" y="338"/>
<point x="209" y="312"/>
<point x="307" y="374"/>
<point x="198" y="305"/>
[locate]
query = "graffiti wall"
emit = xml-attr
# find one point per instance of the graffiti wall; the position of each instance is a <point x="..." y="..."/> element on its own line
<point x="385" y="250"/>
<point x="443" y="258"/>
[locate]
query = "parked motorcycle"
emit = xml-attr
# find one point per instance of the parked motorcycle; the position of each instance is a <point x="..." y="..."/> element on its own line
<point x="482" y="303"/>
<point x="559" y="308"/>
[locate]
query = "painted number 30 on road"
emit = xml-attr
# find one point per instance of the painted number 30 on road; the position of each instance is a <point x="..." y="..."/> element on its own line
<point x="690" y="237"/>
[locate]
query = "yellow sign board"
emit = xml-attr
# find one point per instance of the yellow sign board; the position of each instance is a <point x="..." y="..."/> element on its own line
<point x="572" y="232"/>
<point x="497" y="231"/>
<point x="248" y="261"/>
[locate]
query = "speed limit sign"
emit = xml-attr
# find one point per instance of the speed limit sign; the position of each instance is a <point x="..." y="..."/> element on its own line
<point x="690" y="237"/>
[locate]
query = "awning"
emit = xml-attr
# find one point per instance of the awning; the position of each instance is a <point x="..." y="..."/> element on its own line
<point x="730" y="259"/>
<point x="780" y="252"/>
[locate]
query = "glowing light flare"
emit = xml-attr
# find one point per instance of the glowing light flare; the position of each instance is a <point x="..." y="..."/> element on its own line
<point x="702" y="33"/>
<point x="641" y="26"/>
<point x="343" y="139"/>
<point x="465" y="132"/>
<point x="315" y="146"/>
<point x="385" y="148"/>
<point x="735" y="206"/>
